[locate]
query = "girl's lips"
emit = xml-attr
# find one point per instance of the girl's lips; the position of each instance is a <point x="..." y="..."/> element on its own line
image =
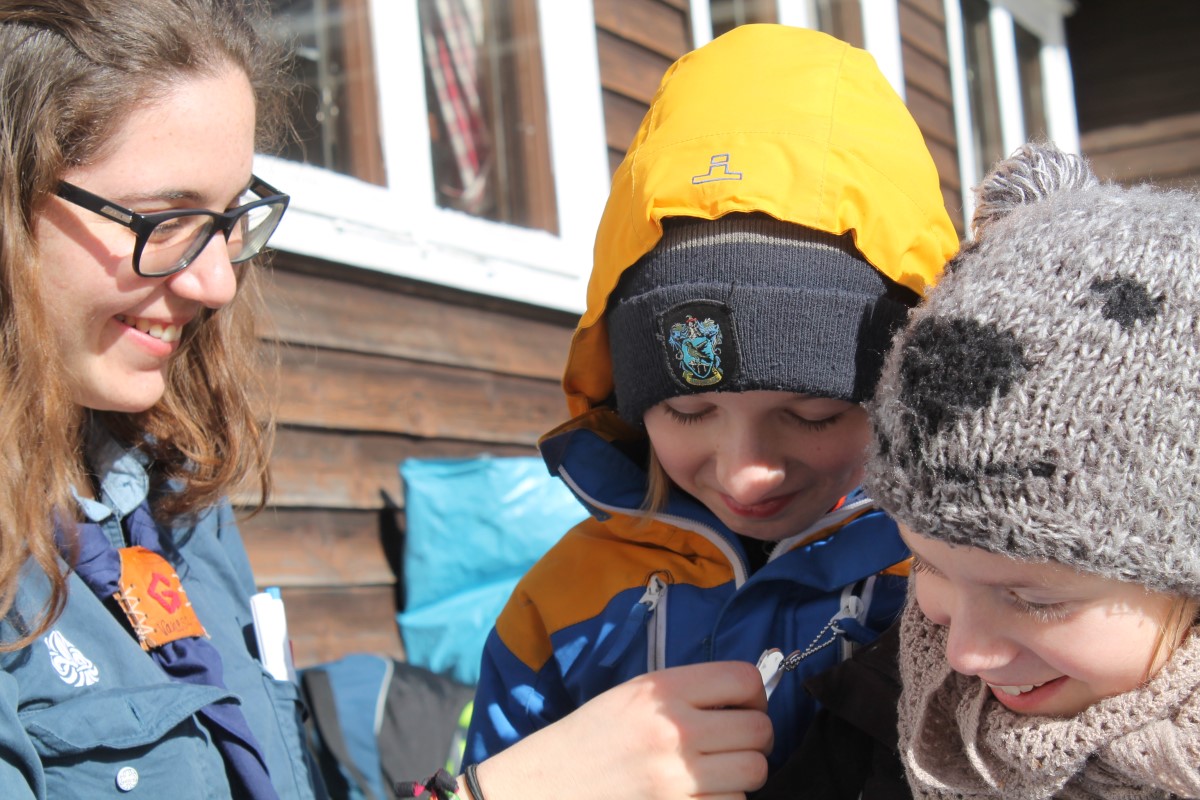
<point x="763" y="510"/>
<point x="1024" y="698"/>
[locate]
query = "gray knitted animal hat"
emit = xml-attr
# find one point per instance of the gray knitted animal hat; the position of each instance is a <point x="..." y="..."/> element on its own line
<point x="747" y="302"/>
<point x="1043" y="402"/>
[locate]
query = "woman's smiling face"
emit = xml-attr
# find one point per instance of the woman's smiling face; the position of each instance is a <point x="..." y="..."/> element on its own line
<point x="190" y="148"/>
<point x="1046" y="638"/>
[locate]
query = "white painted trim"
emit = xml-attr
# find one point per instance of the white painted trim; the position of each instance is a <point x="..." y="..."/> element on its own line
<point x="968" y="163"/>
<point x="1008" y="80"/>
<point x="399" y="230"/>
<point x="1062" y="119"/>
<point x="700" y="14"/>
<point x="797" y="13"/>
<point x="881" y="35"/>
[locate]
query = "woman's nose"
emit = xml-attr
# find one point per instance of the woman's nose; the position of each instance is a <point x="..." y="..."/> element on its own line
<point x="210" y="279"/>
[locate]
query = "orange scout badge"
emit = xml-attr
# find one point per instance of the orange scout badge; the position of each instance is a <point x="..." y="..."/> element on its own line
<point x="154" y="600"/>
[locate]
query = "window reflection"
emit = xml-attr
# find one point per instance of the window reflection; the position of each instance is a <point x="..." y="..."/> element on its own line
<point x="486" y="107"/>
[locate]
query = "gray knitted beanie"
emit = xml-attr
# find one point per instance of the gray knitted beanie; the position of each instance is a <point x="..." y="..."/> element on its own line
<point x="747" y="302"/>
<point x="1044" y="402"/>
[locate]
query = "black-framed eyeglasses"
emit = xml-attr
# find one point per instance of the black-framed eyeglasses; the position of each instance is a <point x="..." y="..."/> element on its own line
<point x="168" y="241"/>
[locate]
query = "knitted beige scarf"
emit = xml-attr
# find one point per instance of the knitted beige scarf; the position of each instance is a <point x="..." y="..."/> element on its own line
<point x="957" y="741"/>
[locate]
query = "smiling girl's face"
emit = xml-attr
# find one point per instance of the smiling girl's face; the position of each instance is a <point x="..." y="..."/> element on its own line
<point x="1046" y="638"/>
<point x="767" y="464"/>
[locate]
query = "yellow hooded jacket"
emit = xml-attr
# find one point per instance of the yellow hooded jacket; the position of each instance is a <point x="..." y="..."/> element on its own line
<point x="771" y="119"/>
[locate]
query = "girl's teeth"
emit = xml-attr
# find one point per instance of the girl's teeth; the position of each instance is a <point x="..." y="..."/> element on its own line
<point x="1013" y="691"/>
<point x="166" y="333"/>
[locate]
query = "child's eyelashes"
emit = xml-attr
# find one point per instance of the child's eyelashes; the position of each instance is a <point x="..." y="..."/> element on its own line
<point x="686" y="418"/>
<point x="814" y="424"/>
<point x="1043" y="612"/>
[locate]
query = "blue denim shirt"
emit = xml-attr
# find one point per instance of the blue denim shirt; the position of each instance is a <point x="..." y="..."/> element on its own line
<point x="85" y="712"/>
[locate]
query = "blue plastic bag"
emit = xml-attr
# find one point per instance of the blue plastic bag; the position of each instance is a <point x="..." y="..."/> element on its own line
<point x="475" y="526"/>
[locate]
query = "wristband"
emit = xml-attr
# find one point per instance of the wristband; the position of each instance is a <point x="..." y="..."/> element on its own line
<point x="473" y="783"/>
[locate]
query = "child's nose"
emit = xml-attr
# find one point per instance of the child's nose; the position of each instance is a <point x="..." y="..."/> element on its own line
<point x="973" y="646"/>
<point x="750" y="470"/>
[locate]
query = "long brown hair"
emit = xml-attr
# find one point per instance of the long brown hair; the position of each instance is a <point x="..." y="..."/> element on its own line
<point x="70" y="71"/>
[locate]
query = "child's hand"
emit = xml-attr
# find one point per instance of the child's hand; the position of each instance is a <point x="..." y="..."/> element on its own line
<point x="697" y="730"/>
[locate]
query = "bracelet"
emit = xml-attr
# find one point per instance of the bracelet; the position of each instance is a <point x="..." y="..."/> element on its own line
<point x="439" y="786"/>
<point x="473" y="783"/>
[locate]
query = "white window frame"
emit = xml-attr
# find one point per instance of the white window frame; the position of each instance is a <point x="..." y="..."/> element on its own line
<point x="400" y="229"/>
<point x="1044" y="19"/>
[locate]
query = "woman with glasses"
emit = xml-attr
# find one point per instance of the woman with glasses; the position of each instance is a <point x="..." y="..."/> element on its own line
<point x="129" y="224"/>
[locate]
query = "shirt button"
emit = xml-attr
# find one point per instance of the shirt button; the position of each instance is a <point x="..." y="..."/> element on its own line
<point x="127" y="778"/>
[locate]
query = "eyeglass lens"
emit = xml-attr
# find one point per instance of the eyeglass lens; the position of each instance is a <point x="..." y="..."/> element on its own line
<point x="175" y="242"/>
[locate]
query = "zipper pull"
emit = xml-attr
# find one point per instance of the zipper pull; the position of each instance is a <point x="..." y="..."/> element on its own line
<point x="636" y="620"/>
<point x="769" y="666"/>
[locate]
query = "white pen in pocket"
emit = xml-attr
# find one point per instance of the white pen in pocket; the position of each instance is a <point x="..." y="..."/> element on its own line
<point x="271" y="633"/>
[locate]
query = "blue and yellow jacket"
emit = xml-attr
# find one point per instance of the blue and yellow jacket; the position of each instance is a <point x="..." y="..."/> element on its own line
<point x="800" y="126"/>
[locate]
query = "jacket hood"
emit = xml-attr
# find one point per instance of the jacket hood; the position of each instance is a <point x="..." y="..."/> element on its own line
<point x="778" y="120"/>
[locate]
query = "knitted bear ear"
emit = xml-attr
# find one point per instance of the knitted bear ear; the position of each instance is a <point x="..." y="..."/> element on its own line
<point x="1032" y="173"/>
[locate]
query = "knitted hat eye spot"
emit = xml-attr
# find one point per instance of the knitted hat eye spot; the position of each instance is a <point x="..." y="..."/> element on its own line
<point x="1126" y="300"/>
<point x="952" y="367"/>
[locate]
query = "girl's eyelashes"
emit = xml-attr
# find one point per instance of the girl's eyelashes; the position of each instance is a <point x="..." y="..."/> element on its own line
<point x="686" y="418"/>
<point x="919" y="566"/>
<point x="1042" y="612"/>
<point x="814" y="424"/>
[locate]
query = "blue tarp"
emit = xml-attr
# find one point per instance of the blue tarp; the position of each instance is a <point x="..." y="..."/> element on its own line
<point x="474" y="527"/>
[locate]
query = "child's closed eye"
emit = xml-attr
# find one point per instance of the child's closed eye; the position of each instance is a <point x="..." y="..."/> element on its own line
<point x="686" y="418"/>
<point x="1043" y="612"/>
<point x="813" y="424"/>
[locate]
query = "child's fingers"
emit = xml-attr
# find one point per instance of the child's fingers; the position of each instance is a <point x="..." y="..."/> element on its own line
<point x="729" y="774"/>
<point x="731" y="730"/>
<point x="719" y="684"/>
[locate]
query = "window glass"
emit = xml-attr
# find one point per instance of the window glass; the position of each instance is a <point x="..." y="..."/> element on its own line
<point x="728" y="14"/>
<point x="1029" y="64"/>
<point x="336" y="114"/>
<point x="486" y="107"/>
<point x="981" y="85"/>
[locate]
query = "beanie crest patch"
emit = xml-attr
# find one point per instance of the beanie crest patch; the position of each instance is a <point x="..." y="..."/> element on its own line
<point x="700" y="345"/>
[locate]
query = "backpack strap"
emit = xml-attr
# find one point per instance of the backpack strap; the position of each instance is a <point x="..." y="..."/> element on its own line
<point x="320" y="697"/>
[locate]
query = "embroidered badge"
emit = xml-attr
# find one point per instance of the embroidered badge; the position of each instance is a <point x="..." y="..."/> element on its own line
<point x="699" y="336"/>
<point x="154" y="600"/>
<point x="71" y="665"/>
<point x="718" y="170"/>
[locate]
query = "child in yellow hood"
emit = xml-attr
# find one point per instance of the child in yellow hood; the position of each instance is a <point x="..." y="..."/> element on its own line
<point x="775" y="218"/>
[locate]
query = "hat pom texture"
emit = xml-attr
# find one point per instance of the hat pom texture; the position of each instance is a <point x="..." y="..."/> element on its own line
<point x="1041" y="403"/>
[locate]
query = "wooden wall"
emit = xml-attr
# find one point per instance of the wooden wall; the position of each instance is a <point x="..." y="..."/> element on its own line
<point x="927" y="92"/>
<point x="1137" y="89"/>
<point x="374" y="370"/>
<point x="636" y="41"/>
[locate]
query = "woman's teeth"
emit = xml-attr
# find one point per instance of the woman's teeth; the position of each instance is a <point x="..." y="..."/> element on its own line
<point x="1017" y="690"/>
<point x="166" y="333"/>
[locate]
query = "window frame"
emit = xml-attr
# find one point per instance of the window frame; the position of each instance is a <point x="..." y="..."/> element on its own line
<point x="399" y="229"/>
<point x="1045" y="20"/>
